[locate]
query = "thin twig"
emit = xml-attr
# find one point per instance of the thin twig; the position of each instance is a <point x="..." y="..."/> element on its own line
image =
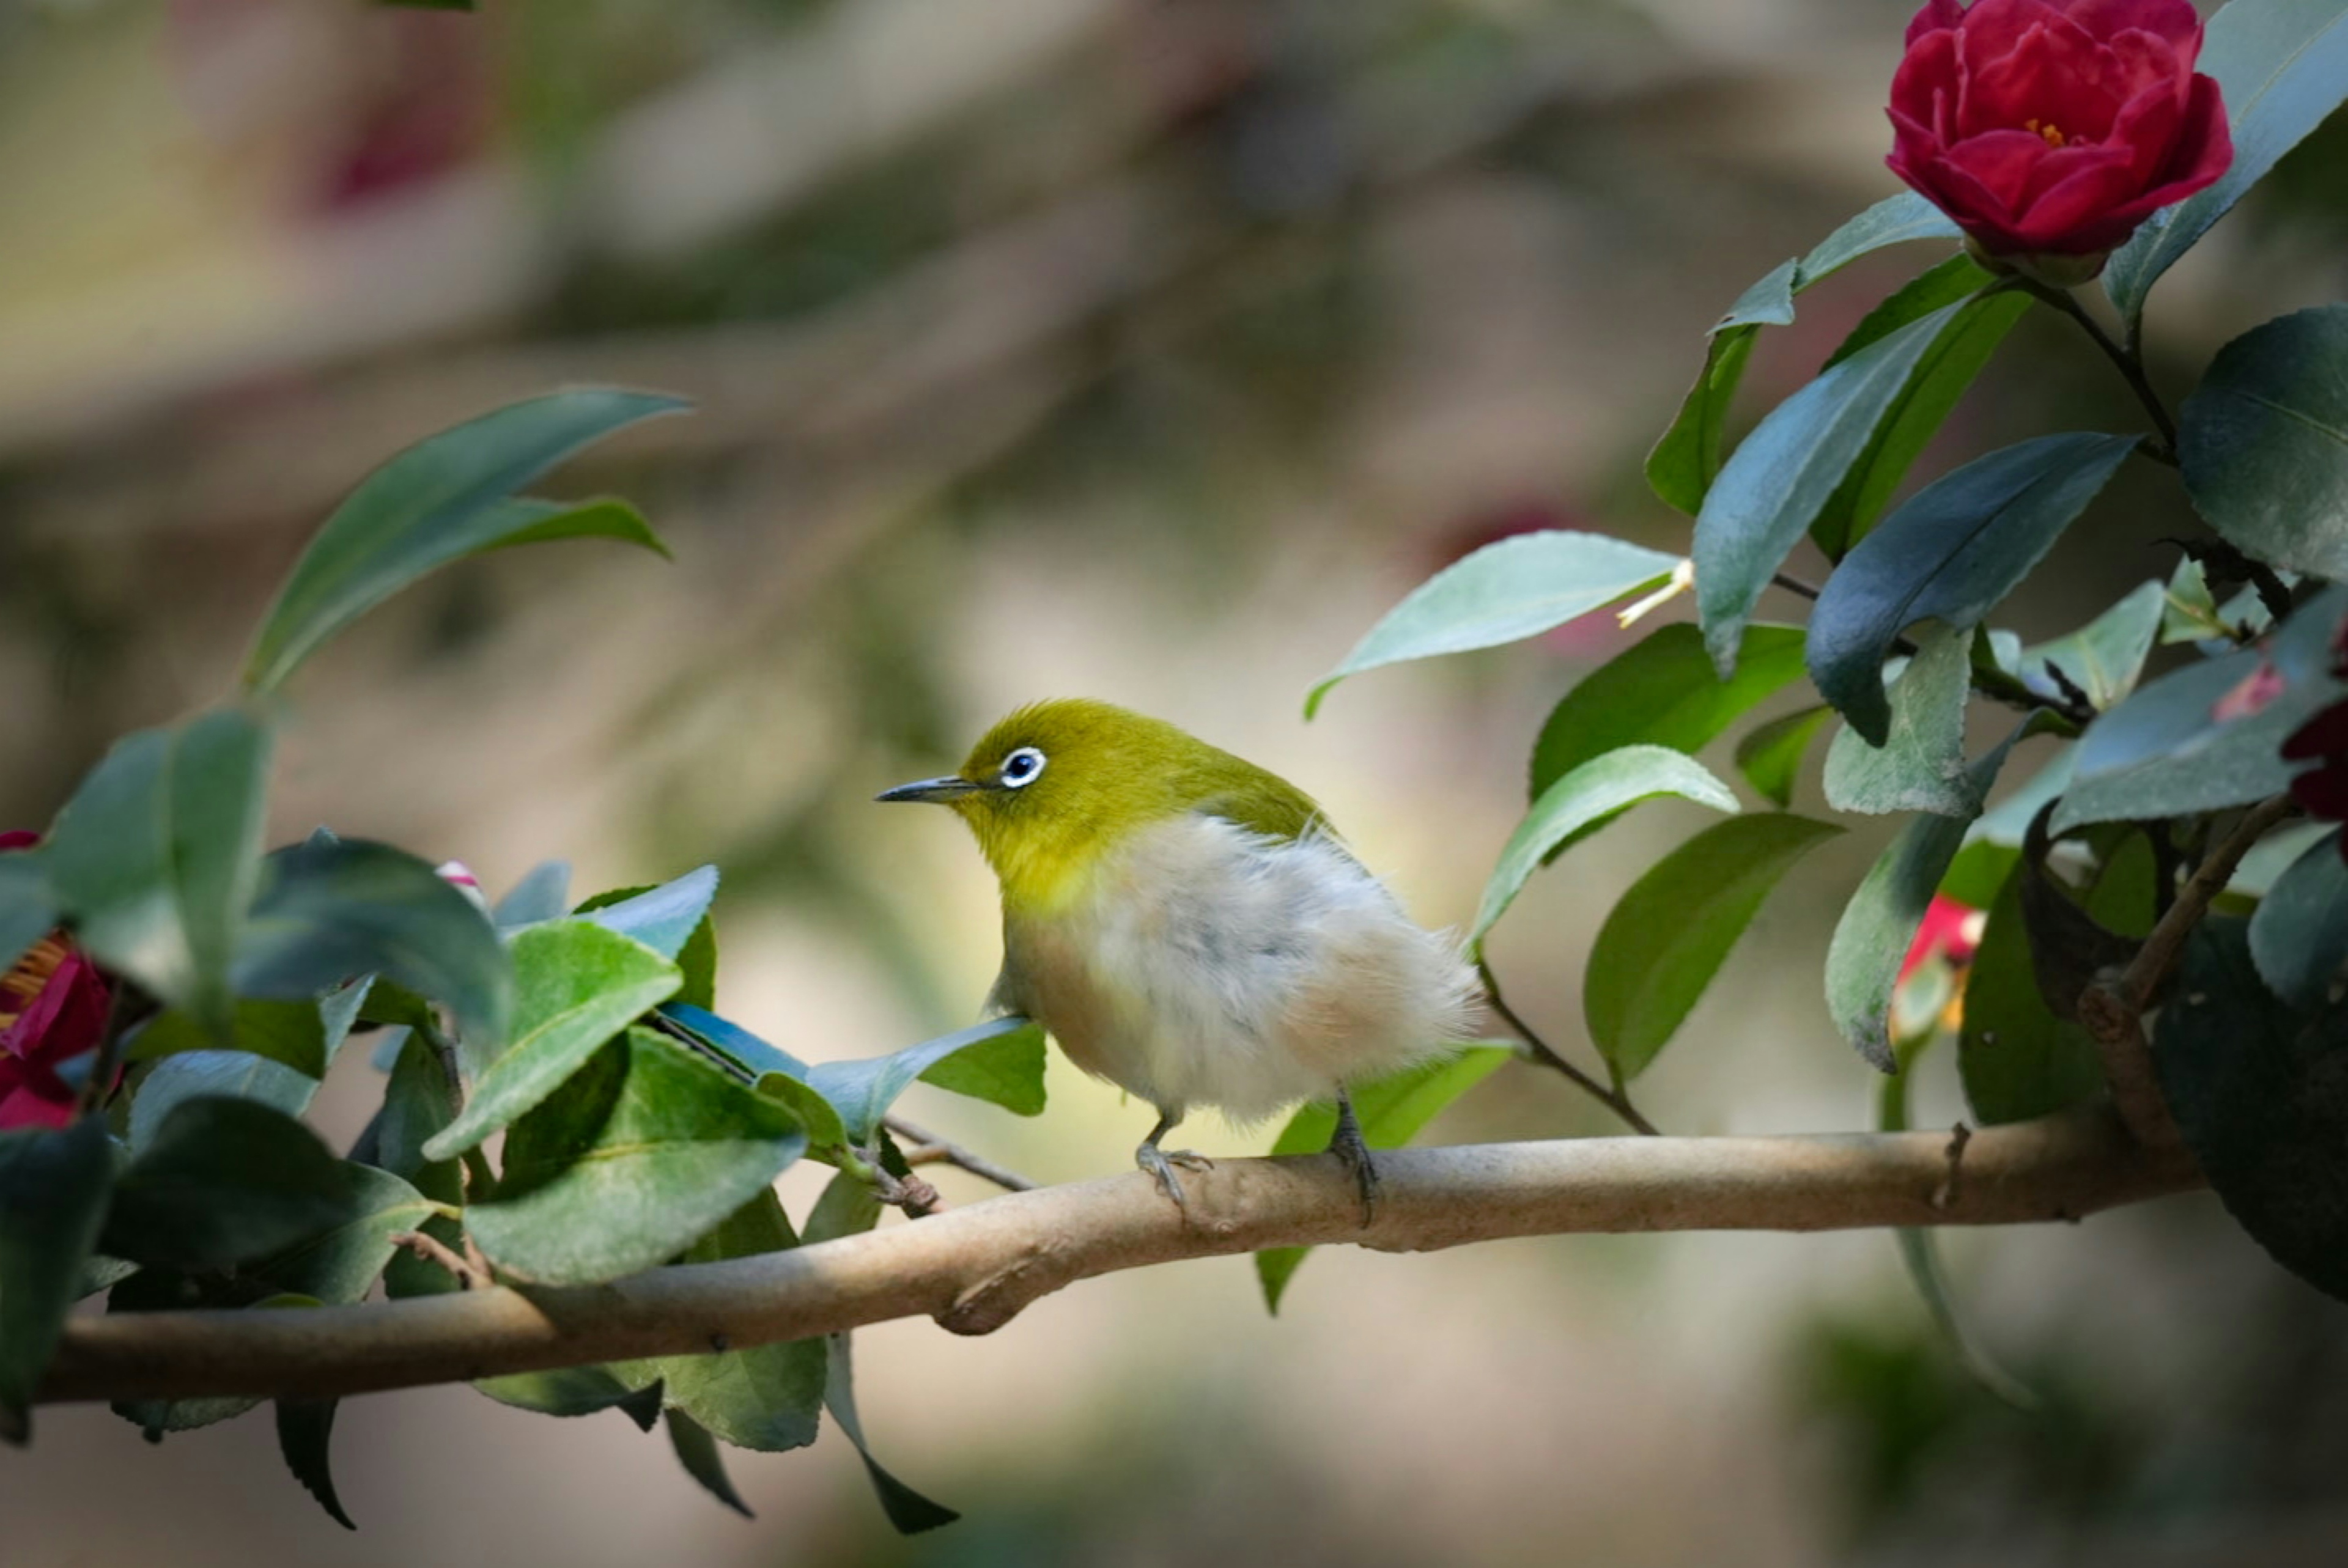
<point x="1614" y="1099"/>
<point x="930" y="1149"/>
<point x="109" y="1063"/>
<point x="2158" y="956"/>
<point x="1793" y="584"/>
<point x="432" y="1249"/>
<point x="2130" y="360"/>
<point x="1998" y="687"/>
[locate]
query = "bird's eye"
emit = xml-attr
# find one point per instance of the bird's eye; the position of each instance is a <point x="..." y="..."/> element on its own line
<point x="1022" y="767"/>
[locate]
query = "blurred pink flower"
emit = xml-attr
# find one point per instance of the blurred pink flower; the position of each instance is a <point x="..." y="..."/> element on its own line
<point x="1951" y="930"/>
<point x="53" y="1006"/>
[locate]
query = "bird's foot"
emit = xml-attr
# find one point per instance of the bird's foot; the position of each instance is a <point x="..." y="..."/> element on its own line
<point x="1348" y="1144"/>
<point x="1160" y="1163"/>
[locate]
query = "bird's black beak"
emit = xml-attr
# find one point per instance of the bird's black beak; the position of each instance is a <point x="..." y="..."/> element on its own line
<point x="940" y="790"/>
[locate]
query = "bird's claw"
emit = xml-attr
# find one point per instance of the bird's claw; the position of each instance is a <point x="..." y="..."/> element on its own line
<point x="1354" y="1152"/>
<point x="1160" y="1163"/>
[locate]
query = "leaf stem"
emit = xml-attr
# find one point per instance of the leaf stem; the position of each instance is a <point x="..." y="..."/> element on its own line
<point x="930" y="1149"/>
<point x="1614" y="1099"/>
<point x="109" y="1063"/>
<point x="2127" y="358"/>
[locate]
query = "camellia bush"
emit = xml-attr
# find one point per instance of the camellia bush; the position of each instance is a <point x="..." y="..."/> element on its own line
<point x="566" y="1197"/>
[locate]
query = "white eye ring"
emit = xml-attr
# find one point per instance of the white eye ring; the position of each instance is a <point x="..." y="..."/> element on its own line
<point x="1022" y="768"/>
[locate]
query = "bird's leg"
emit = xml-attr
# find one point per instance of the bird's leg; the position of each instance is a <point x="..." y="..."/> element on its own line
<point x="1160" y="1163"/>
<point x="1348" y="1144"/>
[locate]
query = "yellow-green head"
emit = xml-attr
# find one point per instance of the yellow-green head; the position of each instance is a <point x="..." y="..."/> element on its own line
<point x="1056" y="785"/>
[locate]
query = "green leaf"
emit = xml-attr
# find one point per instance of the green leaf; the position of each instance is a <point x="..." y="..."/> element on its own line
<point x="1517" y="588"/>
<point x="630" y="1162"/>
<point x="2165" y="753"/>
<point x="326" y="912"/>
<point x="2264" y="438"/>
<point x="52" y="1197"/>
<point x="1392" y="1112"/>
<point x="568" y="1392"/>
<point x="1955" y="357"/>
<point x="448" y="497"/>
<point x="1006" y="1070"/>
<point x="1947" y="283"/>
<point x="305" y="1428"/>
<point x="153" y="857"/>
<point x="1921" y="765"/>
<point x="2008" y="822"/>
<point x="754" y="1056"/>
<point x="1663" y="690"/>
<point x="1668" y="936"/>
<point x="1951" y="554"/>
<point x="2016" y="1059"/>
<point x="417" y="1102"/>
<point x="542" y="894"/>
<point x="769" y="1396"/>
<point x="848" y="1206"/>
<point x="221" y="1182"/>
<point x="302" y="1035"/>
<point x="28" y="910"/>
<point x="664" y="919"/>
<point x="697" y="962"/>
<point x="1596" y="790"/>
<point x="1786" y="472"/>
<point x="863" y="1089"/>
<point x="2282" y="67"/>
<point x="576" y="985"/>
<point x="2298" y="937"/>
<point x="239" y="1074"/>
<point x="164" y="1290"/>
<point x="342" y="1264"/>
<point x="697" y="1451"/>
<point x="1770" y="756"/>
<point x="2260" y="1093"/>
<point x="2104" y="658"/>
<point x="908" y="1509"/>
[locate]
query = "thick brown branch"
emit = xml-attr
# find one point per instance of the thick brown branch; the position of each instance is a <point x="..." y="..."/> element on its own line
<point x="975" y="1268"/>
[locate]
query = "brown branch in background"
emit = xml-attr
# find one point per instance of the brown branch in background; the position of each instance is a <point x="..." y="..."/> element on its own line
<point x="929" y="1149"/>
<point x="432" y="1249"/>
<point x="1543" y="1055"/>
<point x="976" y="1268"/>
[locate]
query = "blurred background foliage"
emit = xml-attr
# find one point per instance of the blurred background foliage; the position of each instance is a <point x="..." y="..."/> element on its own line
<point x="1146" y="349"/>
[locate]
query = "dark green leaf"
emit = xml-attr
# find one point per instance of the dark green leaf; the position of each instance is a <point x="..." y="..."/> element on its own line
<point x="1978" y="874"/>
<point x="908" y="1509"/>
<point x="1687" y="460"/>
<point x="2261" y="1094"/>
<point x="697" y="962"/>
<point x="28" y="910"/>
<point x="1515" y="588"/>
<point x="2104" y="658"/>
<point x="1921" y="765"/>
<point x="1947" y="283"/>
<point x="697" y="1451"/>
<point x="305" y="1430"/>
<point x="663" y="918"/>
<point x="567" y="1391"/>
<point x="1786" y="471"/>
<point x="326" y="912"/>
<point x="1770" y="756"/>
<point x="2008" y="822"/>
<point x="542" y="894"/>
<point x="2264" y="438"/>
<point x="769" y="1397"/>
<point x="53" y="1194"/>
<point x="1597" y="789"/>
<point x="153" y="857"/>
<point x="417" y="1102"/>
<point x="1668" y="936"/>
<point x="1950" y="554"/>
<point x="629" y="1163"/>
<point x="239" y="1074"/>
<point x="291" y="1032"/>
<point x="2282" y="66"/>
<point x="341" y="1264"/>
<point x="162" y="1290"/>
<point x="1005" y="1070"/>
<point x="1663" y="690"/>
<point x="848" y="1206"/>
<point x="2298" y="937"/>
<point x="446" y="497"/>
<point x="2017" y="1058"/>
<point x="576" y="985"/>
<point x="223" y="1181"/>
<point x="753" y="1055"/>
<point x="863" y="1089"/>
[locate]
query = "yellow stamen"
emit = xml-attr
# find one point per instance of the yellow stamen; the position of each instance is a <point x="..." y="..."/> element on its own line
<point x="2050" y="132"/>
<point x="31" y="976"/>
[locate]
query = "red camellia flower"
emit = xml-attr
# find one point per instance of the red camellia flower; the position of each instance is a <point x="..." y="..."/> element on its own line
<point x="53" y="1006"/>
<point x="2052" y="127"/>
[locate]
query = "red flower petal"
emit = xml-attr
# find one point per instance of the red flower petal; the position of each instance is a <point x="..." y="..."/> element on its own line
<point x="1925" y="86"/>
<point x="2001" y="163"/>
<point x="18" y="838"/>
<point x="2050" y="81"/>
<point x="2175" y="22"/>
<point x="1995" y="27"/>
<point x="2205" y="145"/>
<point x="1937" y="16"/>
<point x="2323" y="792"/>
<point x="2324" y="735"/>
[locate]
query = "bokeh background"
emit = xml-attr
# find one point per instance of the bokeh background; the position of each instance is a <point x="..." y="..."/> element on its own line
<point x="1146" y="349"/>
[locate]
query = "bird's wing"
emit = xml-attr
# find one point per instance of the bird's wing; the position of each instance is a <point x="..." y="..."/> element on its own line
<point x="1261" y="802"/>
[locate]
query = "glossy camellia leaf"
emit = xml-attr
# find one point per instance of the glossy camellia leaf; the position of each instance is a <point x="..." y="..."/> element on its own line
<point x="1005" y="1070"/>
<point x="2102" y="658"/>
<point x="302" y="1035"/>
<point x="697" y="1451"/>
<point x="638" y="1154"/>
<point x="769" y="1397"/>
<point x="663" y="918"/>
<point x="2260" y="1093"/>
<point x="28" y="910"/>
<point x="448" y="497"/>
<point x="1511" y="590"/>
<point x="863" y="1089"/>
<point x="739" y="1045"/>
<point x="568" y="1392"/>
<point x="239" y="1074"/>
<point x="1663" y="690"/>
<point x="153" y="857"/>
<point x="417" y="1102"/>
<point x="164" y="1290"/>
<point x="1668" y="936"/>
<point x="2282" y="66"/>
<point x="2164" y="751"/>
<point x="1921" y="765"/>
<point x="1594" y="790"/>
<point x="1786" y="471"/>
<point x="2298" y="937"/>
<point x="341" y="1264"/>
<point x="2264" y="439"/>
<point x="1392" y="1112"/>
<point x="1770" y="756"/>
<point x="1949" y="282"/>
<point x="306" y="1430"/>
<point x="542" y="894"/>
<point x="329" y="910"/>
<point x="576" y="985"/>
<point x="1951" y="554"/>
<point x="1685" y="461"/>
<point x="908" y="1509"/>
<point x="223" y="1182"/>
<point x="53" y="1199"/>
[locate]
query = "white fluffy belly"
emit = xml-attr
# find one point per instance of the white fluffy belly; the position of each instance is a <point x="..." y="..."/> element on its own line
<point x="1210" y="965"/>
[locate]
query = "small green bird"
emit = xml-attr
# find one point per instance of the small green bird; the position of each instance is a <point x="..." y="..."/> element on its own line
<point x="1187" y="927"/>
